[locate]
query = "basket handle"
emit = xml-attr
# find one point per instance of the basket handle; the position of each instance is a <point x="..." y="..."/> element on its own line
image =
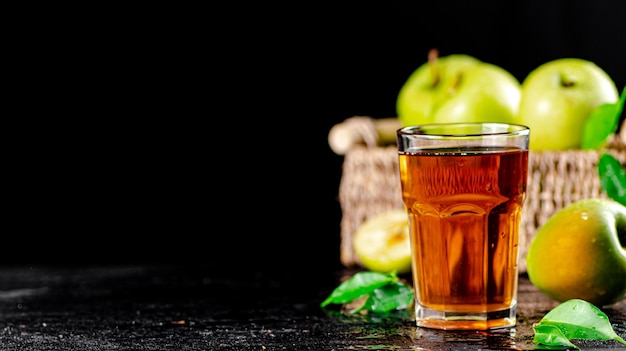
<point x="363" y="130"/>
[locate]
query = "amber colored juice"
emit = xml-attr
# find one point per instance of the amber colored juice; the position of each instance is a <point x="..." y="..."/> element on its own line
<point x="465" y="208"/>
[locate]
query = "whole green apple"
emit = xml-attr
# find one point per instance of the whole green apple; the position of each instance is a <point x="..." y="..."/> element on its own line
<point x="580" y="253"/>
<point x="558" y="97"/>
<point x="458" y="88"/>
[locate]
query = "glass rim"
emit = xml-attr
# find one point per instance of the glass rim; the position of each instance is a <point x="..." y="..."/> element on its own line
<point x="488" y="129"/>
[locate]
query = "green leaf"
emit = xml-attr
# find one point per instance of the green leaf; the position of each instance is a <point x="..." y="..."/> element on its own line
<point x="549" y="337"/>
<point x="612" y="177"/>
<point x="393" y="296"/>
<point x="360" y="284"/>
<point x="602" y="122"/>
<point x="574" y="319"/>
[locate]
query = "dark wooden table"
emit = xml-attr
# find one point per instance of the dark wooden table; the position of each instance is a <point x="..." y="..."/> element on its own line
<point x="204" y="307"/>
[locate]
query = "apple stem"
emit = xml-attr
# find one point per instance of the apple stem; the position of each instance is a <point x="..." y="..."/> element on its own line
<point x="433" y="54"/>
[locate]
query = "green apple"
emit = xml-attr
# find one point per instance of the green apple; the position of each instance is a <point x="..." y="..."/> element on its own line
<point x="580" y="252"/>
<point x="458" y="88"/>
<point x="558" y="97"/>
<point x="383" y="244"/>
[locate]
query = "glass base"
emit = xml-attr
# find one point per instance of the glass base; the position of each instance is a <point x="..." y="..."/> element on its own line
<point x="429" y="318"/>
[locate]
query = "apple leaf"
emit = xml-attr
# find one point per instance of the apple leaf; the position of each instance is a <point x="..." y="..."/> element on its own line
<point x="612" y="177"/>
<point x="550" y="337"/>
<point x="602" y="122"/>
<point x="361" y="284"/>
<point x="385" y="292"/>
<point x="390" y="297"/>
<point x="573" y="319"/>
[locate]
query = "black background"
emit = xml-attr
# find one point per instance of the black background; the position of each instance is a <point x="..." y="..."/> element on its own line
<point x="200" y="134"/>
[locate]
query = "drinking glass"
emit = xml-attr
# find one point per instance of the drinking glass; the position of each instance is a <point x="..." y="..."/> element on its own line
<point x="463" y="187"/>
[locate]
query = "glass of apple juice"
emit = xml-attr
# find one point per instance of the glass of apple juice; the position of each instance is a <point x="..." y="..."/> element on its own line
<point x="463" y="186"/>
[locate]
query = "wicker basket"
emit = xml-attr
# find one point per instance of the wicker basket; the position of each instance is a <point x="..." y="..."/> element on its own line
<point x="370" y="185"/>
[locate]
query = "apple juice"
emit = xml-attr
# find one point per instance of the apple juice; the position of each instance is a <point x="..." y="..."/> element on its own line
<point x="464" y="207"/>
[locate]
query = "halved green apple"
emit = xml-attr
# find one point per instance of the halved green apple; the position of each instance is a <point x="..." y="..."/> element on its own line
<point x="383" y="244"/>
